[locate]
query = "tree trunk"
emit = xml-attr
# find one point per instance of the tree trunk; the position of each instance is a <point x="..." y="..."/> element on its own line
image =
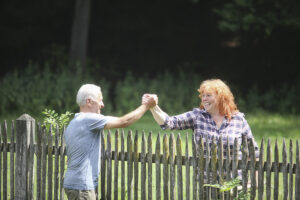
<point x="79" y="38"/>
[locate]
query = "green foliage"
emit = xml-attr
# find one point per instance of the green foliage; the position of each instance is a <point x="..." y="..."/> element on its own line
<point x="259" y="17"/>
<point x="176" y="94"/>
<point x="229" y="185"/>
<point x="51" y="118"/>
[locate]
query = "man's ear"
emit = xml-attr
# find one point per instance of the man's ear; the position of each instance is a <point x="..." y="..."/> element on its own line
<point x="88" y="102"/>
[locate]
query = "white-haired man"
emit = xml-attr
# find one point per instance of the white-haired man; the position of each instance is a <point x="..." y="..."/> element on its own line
<point x="82" y="138"/>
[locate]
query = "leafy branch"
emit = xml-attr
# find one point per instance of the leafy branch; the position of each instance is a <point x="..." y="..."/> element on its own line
<point x="51" y="118"/>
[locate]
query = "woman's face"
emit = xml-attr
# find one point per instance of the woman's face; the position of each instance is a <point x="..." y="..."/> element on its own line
<point x="210" y="102"/>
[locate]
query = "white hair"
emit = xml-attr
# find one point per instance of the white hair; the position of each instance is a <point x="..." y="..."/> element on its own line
<point x="87" y="91"/>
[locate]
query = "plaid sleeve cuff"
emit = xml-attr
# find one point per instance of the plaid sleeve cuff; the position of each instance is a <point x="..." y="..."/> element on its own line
<point x="165" y="125"/>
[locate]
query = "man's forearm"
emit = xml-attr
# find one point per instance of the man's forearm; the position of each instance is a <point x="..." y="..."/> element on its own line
<point x="159" y="115"/>
<point x="133" y="116"/>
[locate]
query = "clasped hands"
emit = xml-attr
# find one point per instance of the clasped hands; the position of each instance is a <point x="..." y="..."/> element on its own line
<point x="150" y="100"/>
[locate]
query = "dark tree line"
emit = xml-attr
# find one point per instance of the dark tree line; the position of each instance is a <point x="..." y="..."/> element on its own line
<point x="246" y="42"/>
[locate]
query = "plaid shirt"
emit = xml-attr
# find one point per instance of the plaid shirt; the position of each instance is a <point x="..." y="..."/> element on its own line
<point x="201" y="122"/>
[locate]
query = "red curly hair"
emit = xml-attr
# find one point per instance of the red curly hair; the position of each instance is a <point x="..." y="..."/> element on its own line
<point x="225" y="99"/>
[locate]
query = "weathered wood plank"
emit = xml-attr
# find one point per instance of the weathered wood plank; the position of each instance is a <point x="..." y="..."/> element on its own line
<point x="207" y="168"/>
<point x="50" y="164"/>
<point x="261" y="171"/>
<point x="179" y="169"/>
<point x="122" y="165"/>
<point x="23" y="128"/>
<point x="149" y="159"/>
<point x="116" y="166"/>
<point x="172" y="166"/>
<point x="291" y="177"/>
<point x="253" y="173"/>
<point x="220" y="162"/>
<point x="31" y="162"/>
<point x="44" y="162"/>
<point x="245" y="156"/>
<point x="187" y="168"/>
<point x="136" y="166"/>
<point x="56" y="161"/>
<point x="157" y="168"/>
<point x="130" y="166"/>
<point x="62" y="164"/>
<point x="143" y="167"/>
<point x="235" y="164"/>
<point x="228" y="167"/>
<point x="284" y="170"/>
<point x="12" y="160"/>
<point x="103" y="165"/>
<point x="0" y="156"/>
<point x="195" y="168"/>
<point x="268" y="173"/>
<point x="276" y="171"/>
<point x="297" y="179"/>
<point x="201" y="165"/>
<point x="109" y="166"/>
<point x="214" y="191"/>
<point x="4" y="174"/>
<point x="165" y="167"/>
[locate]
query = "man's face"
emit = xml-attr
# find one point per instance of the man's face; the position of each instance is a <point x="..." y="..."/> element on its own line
<point x="97" y="105"/>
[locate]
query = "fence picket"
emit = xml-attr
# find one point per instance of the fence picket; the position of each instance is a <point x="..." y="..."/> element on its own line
<point x="261" y="171"/>
<point x="136" y="166"/>
<point x="207" y="168"/>
<point x="201" y="165"/>
<point x="143" y="167"/>
<point x="103" y="165"/>
<point x="228" y="169"/>
<point x="284" y="171"/>
<point x="253" y="172"/>
<point x="50" y="164"/>
<point x="291" y="178"/>
<point x="297" y="180"/>
<point x="129" y="165"/>
<point x="56" y="161"/>
<point x="172" y="166"/>
<point x="179" y="168"/>
<point x="157" y="168"/>
<point x="235" y="164"/>
<point x="268" y="173"/>
<point x="214" y="191"/>
<point x="276" y="170"/>
<point x="244" y="164"/>
<point x="62" y="164"/>
<point x="31" y="162"/>
<point x="0" y="157"/>
<point x="149" y="159"/>
<point x="187" y="168"/>
<point x="122" y="165"/>
<point x="220" y="162"/>
<point x="109" y="166"/>
<point x="4" y="146"/>
<point x="12" y="160"/>
<point x="165" y="167"/>
<point x="116" y="167"/>
<point x="195" y="170"/>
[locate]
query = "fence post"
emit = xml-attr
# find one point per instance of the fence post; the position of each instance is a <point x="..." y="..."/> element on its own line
<point x="24" y="125"/>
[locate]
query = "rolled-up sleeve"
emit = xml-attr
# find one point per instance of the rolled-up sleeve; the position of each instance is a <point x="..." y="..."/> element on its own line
<point x="179" y="122"/>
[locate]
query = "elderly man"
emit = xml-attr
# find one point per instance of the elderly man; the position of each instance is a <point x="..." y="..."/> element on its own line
<point x="82" y="138"/>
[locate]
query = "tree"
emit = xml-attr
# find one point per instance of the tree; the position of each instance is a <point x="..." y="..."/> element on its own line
<point x="79" y="38"/>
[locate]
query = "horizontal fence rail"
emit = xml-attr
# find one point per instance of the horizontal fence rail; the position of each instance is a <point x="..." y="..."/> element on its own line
<point x="134" y="166"/>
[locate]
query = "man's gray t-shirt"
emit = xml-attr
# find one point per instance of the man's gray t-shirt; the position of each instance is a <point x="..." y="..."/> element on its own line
<point x="82" y="138"/>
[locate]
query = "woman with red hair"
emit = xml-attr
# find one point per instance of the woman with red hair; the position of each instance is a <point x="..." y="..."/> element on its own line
<point x="217" y="116"/>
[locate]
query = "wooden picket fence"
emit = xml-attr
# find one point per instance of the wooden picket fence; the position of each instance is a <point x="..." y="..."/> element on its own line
<point x="35" y="161"/>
